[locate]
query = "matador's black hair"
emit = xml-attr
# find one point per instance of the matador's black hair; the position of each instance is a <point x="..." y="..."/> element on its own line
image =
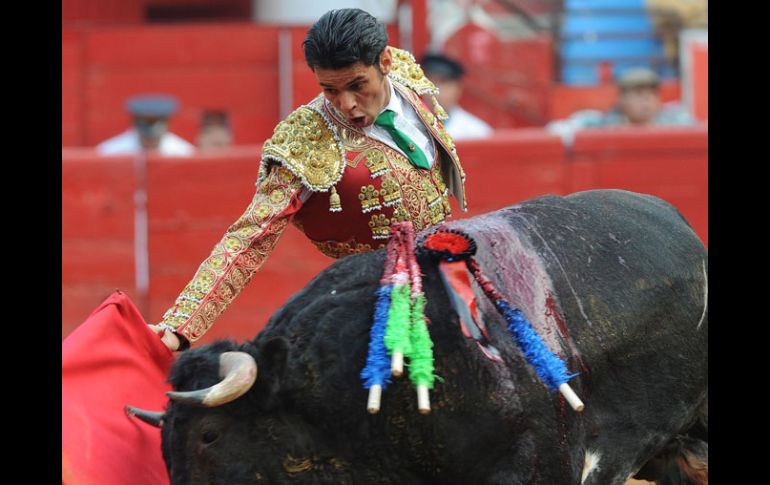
<point x="341" y="38"/>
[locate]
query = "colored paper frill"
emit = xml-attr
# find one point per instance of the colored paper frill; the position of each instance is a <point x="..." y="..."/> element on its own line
<point x="399" y="328"/>
<point x="377" y="370"/>
<point x="421" y="355"/>
<point x="548" y="366"/>
<point x="397" y="331"/>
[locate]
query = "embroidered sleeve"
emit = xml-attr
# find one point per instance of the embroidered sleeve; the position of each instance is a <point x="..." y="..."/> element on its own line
<point x="238" y="255"/>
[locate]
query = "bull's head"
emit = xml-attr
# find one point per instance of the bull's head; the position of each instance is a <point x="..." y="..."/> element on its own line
<point x="240" y="430"/>
<point x="238" y="371"/>
<point x="213" y="428"/>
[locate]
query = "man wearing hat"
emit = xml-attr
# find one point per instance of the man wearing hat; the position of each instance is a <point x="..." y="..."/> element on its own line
<point x="447" y="73"/>
<point x="150" y="115"/>
<point x="363" y="154"/>
<point x="638" y="104"/>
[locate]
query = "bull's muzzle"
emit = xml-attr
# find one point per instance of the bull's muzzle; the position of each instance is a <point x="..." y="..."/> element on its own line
<point x="238" y="371"/>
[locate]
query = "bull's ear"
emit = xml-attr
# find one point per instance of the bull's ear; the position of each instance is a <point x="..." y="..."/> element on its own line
<point x="273" y="355"/>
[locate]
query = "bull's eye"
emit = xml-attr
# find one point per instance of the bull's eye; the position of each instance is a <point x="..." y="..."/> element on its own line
<point x="209" y="437"/>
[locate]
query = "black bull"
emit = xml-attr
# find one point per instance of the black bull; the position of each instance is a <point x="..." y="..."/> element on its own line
<point x="614" y="282"/>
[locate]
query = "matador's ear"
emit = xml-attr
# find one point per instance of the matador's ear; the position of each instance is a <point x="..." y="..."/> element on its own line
<point x="386" y="61"/>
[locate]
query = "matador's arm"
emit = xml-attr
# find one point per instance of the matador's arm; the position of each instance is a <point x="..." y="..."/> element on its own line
<point x="238" y="255"/>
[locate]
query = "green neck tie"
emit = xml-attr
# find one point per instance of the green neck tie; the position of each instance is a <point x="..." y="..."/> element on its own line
<point x="415" y="154"/>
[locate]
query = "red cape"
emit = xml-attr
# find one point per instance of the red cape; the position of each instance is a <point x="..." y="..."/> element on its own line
<point x="111" y="360"/>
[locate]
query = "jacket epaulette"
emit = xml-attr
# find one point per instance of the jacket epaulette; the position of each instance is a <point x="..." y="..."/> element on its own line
<point x="405" y="70"/>
<point x="306" y="145"/>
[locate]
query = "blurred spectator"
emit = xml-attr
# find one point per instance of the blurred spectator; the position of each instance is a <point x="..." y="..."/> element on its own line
<point x="150" y="115"/>
<point x="639" y="104"/>
<point x="447" y="74"/>
<point x="671" y="17"/>
<point x="215" y="130"/>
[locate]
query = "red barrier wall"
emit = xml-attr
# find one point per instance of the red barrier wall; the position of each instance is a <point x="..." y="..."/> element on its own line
<point x="700" y="75"/>
<point x="222" y="66"/>
<point x="97" y="231"/>
<point x="72" y="89"/>
<point x="204" y="66"/>
<point x="192" y="201"/>
<point x="512" y="166"/>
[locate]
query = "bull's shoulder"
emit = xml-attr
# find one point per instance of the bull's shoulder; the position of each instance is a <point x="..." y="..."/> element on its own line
<point x="306" y="310"/>
<point x="630" y="204"/>
<point x="608" y="223"/>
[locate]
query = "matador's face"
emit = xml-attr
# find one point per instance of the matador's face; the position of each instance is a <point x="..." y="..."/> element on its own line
<point x="358" y="91"/>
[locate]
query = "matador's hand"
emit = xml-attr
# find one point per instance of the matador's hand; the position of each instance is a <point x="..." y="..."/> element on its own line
<point x="168" y="337"/>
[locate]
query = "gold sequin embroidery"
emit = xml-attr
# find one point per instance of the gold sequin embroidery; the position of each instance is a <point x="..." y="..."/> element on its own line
<point x="370" y="198"/>
<point x="376" y="163"/>
<point x="305" y="145"/>
<point x="414" y="194"/>
<point x="340" y="249"/>
<point x="380" y="226"/>
<point x="391" y="193"/>
<point x="400" y="214"/>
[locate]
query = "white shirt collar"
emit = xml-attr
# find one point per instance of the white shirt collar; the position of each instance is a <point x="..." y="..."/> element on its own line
<point x="395" y="101"/>
<point x="408" y="121"/>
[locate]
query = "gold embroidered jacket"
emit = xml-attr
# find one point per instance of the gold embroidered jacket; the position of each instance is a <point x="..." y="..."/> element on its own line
<point x="359" y="187"/>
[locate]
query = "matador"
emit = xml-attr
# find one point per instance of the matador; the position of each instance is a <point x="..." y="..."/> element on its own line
<point x="341" y="168"/>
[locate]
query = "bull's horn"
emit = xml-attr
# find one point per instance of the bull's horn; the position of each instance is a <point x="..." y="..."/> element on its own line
<point x="238" y="371"/>
<point x="154" y="418"/>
